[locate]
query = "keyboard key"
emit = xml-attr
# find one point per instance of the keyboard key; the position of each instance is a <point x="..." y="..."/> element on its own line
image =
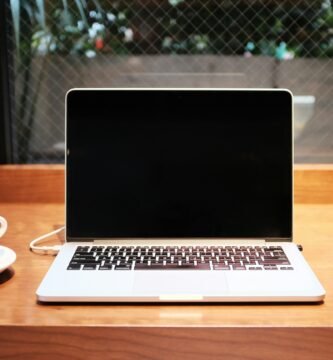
<point x="105" y="267"/>
<point x="270" y="267"/>
<point x="275" y="262"/>
<point x="200" y="266"/>
<point x="123" y="267"/>
<point x="239" y="267"/>
<point x="221" y="267"/>
<point x="81" y="253"/>
<point x="89" y="267"/>
<point x="84" y="259"/>
<point x="74" y="267"/>
<point x="174" y="266"/>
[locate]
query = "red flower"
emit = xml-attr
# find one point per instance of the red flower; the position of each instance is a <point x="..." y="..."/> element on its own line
<point x="99" y="43"/>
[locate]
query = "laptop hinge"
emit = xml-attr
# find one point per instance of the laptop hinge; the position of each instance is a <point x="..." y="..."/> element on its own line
<point x="279" y="239"/>
<point x="176" y="242"/>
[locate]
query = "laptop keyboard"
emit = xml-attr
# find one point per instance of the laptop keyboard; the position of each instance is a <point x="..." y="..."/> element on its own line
<point x="104" y="258"/>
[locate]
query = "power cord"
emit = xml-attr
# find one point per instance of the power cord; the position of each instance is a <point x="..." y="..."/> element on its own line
<point x="46" y="250"/>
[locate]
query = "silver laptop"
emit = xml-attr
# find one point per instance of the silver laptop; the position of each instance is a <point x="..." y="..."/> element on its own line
<point x="179" y="195"/>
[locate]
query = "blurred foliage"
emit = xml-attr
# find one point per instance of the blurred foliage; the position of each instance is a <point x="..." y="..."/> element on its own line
<point x="91" y="30"/>
<point x="183" y="27"/>
<point x="301" y="29"/>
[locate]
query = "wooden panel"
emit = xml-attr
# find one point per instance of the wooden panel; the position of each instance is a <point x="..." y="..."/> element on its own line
<point x="168" y="343"/>
<point x="313" y="184"/>
<point x="45" y="183"/>
<point x="32" y="183"/>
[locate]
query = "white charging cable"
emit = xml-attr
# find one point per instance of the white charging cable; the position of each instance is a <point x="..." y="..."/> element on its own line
<point x="46" y="250"/>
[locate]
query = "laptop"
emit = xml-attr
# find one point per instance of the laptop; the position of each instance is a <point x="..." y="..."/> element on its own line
<point x="179" y="195"/>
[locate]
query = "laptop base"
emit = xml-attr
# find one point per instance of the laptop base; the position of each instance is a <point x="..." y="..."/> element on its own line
<point x="298" y="285"/>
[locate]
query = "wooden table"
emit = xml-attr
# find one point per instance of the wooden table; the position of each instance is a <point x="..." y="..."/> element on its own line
<point x="29" y="330"/>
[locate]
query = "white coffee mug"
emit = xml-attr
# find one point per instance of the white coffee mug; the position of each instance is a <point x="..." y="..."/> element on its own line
<point x="3" y="226"/>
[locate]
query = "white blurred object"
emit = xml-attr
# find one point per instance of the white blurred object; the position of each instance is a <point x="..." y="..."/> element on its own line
<point x="303" y="112"/>
<point x="60" y="146"/>
<point x="3" y="226"/>
<point x="7" y="256"/>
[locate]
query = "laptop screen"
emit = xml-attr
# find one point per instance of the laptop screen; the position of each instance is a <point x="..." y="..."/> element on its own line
<point x="179" y="163"/>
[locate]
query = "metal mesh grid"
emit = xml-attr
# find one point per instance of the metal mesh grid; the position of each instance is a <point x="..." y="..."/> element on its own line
<point x="168" y="43"/>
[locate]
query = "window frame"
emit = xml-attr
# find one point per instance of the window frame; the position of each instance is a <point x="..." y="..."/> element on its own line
<point x="6" y="144"/>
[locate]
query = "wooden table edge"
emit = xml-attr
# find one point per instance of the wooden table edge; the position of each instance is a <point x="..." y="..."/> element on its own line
<point x="166" y="343"/>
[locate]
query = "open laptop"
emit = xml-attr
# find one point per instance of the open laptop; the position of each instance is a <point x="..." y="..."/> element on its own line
<point x="179" y="195"/>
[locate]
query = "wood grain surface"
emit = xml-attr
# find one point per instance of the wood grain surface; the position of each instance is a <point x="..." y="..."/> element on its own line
<point x="187" y="343"/>
<point x="29" y="330"/>
<point x="32" y="183"/>
<point x="248" y="331"/>
<point x="313" y="184"/>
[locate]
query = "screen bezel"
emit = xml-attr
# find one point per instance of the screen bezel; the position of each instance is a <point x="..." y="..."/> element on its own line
<point x="287" y="92"/>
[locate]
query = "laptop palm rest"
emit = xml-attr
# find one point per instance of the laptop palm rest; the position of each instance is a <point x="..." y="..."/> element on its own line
<point x="178" y="283"/>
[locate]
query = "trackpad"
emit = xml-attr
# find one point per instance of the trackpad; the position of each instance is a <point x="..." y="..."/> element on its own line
<point x="157" y="283"/>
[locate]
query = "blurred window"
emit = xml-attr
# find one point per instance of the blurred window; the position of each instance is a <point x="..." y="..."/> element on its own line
<point x="61" y="44"/>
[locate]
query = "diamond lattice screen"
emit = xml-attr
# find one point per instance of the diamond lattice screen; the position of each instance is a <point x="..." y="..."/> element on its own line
<point x="61" y="44"/>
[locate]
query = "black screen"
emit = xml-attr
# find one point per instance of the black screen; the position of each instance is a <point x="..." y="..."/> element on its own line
<point x="179" y="163"/>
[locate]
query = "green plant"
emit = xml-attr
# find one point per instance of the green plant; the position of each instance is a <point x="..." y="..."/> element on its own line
<point x="71" y="28"/>
<point x="84" y="29"/>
